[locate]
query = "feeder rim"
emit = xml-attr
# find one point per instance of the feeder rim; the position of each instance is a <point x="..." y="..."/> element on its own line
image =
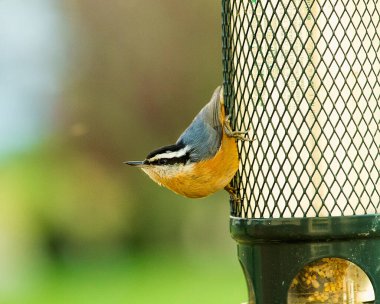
<point x="249" y="230"/>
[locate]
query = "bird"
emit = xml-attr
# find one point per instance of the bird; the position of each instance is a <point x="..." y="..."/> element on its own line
<point x="205" y="157"/>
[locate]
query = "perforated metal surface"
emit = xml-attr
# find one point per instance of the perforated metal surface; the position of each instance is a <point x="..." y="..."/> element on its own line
<point x="304" y="76"/>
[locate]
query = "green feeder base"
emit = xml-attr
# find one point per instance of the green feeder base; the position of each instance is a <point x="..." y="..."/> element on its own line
<point x="302" y="258"/>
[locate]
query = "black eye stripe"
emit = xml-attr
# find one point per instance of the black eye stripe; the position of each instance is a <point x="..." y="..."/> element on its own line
<point x="171" y="161"/>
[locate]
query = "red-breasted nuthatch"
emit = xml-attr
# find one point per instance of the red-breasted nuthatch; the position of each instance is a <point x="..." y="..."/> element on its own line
<point x="203" y="160"/>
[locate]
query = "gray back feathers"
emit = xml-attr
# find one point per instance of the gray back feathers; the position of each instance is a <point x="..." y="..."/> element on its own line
<point x="204" y="134"/>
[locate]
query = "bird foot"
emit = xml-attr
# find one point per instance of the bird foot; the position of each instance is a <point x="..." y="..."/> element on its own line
<point x="241" y="135"/>
<point x="234" y="198"/>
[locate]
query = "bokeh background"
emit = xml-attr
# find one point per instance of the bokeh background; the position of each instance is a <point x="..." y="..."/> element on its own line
<point x="84" y="86"/>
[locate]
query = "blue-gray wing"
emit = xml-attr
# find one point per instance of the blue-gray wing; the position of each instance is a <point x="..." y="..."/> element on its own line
<point x="204" y="135"/>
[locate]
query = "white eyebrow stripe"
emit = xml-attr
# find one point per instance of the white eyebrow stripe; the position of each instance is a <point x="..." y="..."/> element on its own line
<point x="168" y="154"/>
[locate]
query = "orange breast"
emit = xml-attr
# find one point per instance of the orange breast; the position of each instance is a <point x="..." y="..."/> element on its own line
<point x="210" y="175"/>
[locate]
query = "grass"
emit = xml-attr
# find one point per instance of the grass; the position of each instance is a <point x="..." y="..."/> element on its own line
<point x="164" y="278"/>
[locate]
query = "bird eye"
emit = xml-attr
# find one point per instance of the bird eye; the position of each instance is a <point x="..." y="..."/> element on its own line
<point x="163" y="161"/>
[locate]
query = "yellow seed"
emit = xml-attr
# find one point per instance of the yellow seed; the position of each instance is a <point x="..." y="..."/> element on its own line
<point x="315" y="283"/>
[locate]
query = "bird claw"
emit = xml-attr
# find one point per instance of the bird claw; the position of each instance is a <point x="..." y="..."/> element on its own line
<point x="234" y="198"/>
<point x="241" y="135"/>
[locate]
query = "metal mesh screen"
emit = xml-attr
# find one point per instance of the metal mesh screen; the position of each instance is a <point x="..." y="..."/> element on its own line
<point x="304" y="77"/>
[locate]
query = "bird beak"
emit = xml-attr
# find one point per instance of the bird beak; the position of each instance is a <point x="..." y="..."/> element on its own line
<point x="135" y="163"/>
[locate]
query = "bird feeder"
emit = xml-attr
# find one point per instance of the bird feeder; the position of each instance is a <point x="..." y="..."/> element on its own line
<point x="304" y="77"/>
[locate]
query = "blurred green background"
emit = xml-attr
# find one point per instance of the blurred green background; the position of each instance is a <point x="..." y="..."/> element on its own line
<point x="84" y="86"/>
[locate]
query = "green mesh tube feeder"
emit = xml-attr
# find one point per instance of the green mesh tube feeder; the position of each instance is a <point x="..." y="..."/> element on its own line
<point x="304" y="77"/>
